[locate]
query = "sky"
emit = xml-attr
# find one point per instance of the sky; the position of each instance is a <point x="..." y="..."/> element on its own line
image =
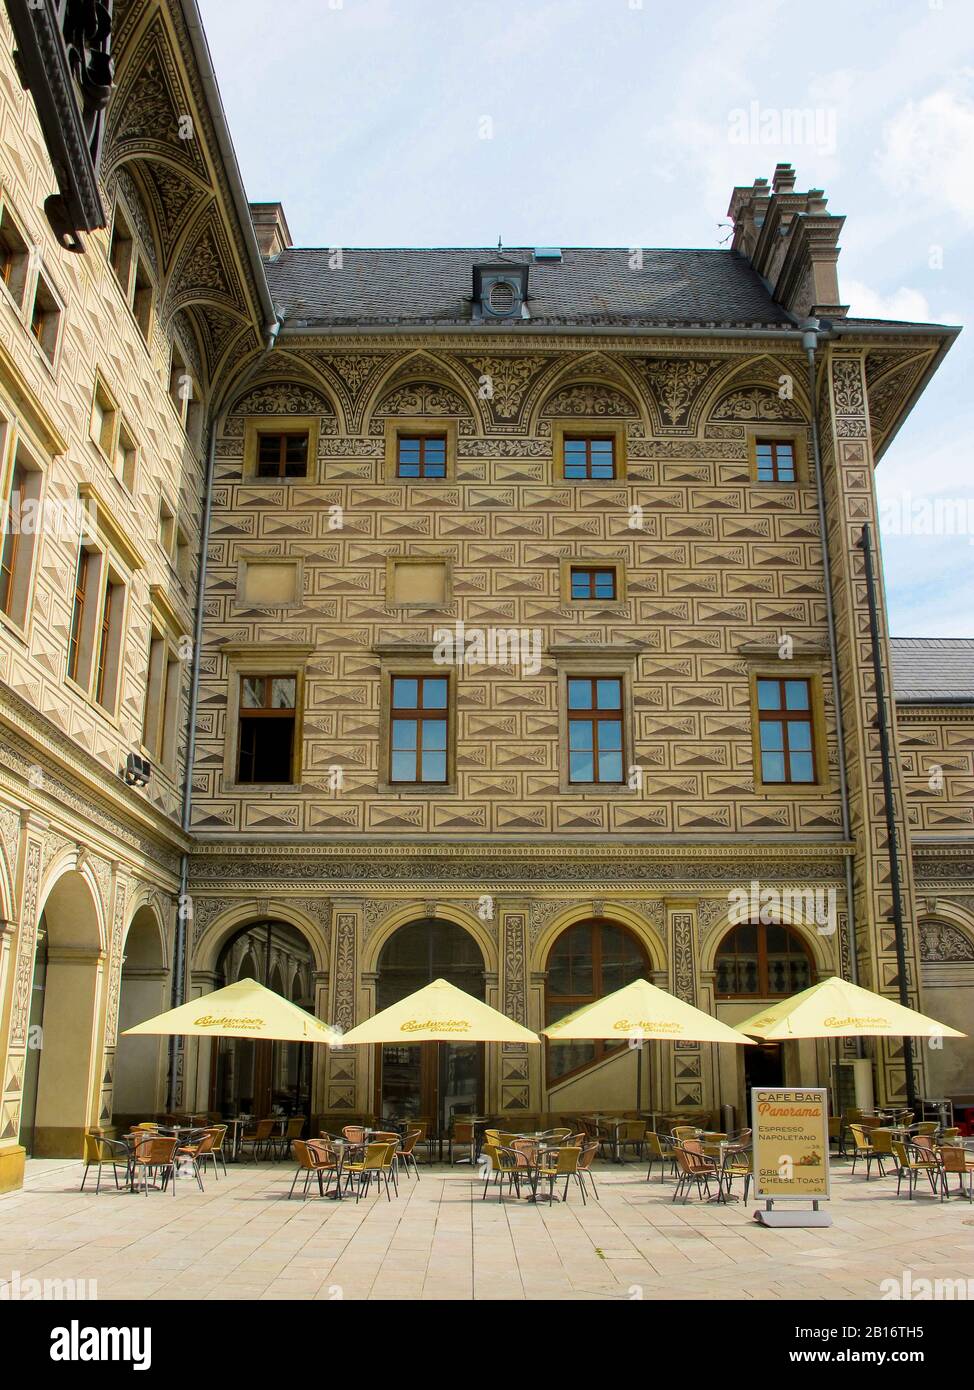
<point x="628" y="123"/>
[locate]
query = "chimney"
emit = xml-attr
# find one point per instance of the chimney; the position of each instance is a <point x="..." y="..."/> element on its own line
<point x="792" y="242"/>
<point x="271" y="227"/>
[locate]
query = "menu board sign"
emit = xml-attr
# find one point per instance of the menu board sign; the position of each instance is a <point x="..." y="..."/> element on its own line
<point x="791" y="1143"/>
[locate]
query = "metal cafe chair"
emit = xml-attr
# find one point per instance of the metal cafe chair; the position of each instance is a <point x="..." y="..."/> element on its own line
<point x="911" y="1161"/>
<point x="99" y="1151"/>
<point x="315" y="1160"/>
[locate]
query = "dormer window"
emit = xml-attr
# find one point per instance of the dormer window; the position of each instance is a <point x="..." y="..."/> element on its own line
<point x="500" y="291"/>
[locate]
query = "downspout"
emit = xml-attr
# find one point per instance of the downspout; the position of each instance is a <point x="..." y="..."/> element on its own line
<point x="184" y="906"/>
<point x="810" y="342"/>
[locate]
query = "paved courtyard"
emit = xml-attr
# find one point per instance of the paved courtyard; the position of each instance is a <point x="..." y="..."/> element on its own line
<point x="242" y="1239"/>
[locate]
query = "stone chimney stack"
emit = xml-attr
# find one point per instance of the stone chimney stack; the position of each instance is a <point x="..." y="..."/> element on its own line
<point x="271" y="227"/>
<point x="792" y="242"/>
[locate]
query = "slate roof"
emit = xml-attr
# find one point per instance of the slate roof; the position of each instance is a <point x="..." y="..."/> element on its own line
<point x="935" y="669"/>
<point x="588" y="286"/>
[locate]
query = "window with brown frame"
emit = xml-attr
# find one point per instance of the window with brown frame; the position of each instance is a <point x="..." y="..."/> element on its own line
<point x="587" y="961"/>
<point x="267" y="725"/>
<point x="593" y="582"/>
<point x="14" y="258"/>
<point x="45" y="318"/>
<point x="787" y="738"/>
<point x="595" y="729"/>
<point x="589" y="457"/>
<point x="17" y="541"/>
<point x="419" y="729"/>
<point x="421" y="456"/>
<point x="762" y="961"/>
<point x="82" y="579"/>
<point x="106" y="665"/>
<point x="775" y="460"/>
<point x="282" y="455"/>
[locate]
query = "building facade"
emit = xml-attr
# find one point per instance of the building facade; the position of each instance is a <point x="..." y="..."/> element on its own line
<point x="471" y="613"/>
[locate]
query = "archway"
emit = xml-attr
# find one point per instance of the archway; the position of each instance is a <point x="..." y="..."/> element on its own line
<point x="254" y="1077"/>
<point x="430" y="1081"/>
<point x="140" y="1062"/>
<point x="60" y="1094"/>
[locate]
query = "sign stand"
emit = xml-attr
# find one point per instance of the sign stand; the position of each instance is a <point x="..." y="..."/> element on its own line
<point x="791" y="1154"/>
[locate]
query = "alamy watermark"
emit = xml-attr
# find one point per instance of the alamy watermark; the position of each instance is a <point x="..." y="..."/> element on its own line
<point x="767" y="904"/>
<point x="489" y="646"/>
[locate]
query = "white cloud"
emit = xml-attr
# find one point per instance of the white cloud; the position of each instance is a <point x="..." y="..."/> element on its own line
<point x="911" y="306"/>
<point x="929" y="147"/>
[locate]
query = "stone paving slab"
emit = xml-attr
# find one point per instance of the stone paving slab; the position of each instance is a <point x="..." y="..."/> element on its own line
<point x="242" y="1239"/>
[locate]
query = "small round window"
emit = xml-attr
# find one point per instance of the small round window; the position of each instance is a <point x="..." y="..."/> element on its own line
<point x="501" y="297"/>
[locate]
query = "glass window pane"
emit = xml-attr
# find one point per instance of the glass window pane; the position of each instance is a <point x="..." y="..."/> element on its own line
<point x="610" y="767"/>
<point x="434" y="734"/>
<point x="409" y="450"/>
<point x="404" y="693"/>
<point x="434" y="693"/>
<point x="408" y="470"/>
<point x="609" y="694"/>
<point x="404" y="767"/>
<point x="579" y="694"/>
<point x="580" y="733"/>
<point x="434" y="767"/>
<point x="769" y="695"/>
<point x="581" y="766"/>
<point x="282" y="692"/>
<point x="404" y="733"/>
<point x="605" y="585"/>
<point x="435" y="450"/>
<point x="773" y="767"/>
<point x="801" y="767"/>
<point x="602" y="470"/>
<point x="796" y="694"/>
<point x="610" y="734"/>
<point x="602" y="447"/>
<point x="252" y="692"/>
<point x="772" y="734"/>
<point x="581" y="585"/>
<point x="799" y="735"/>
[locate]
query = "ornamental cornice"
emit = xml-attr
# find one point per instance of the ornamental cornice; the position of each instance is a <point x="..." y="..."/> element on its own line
<point x="670" y="849"/>
<point x="569" y="343"/>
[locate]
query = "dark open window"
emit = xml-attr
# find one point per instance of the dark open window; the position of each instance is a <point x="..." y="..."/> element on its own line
<point x="761" y="961"/>
<point x="110" y="617"/>
<point x="588" y="961"/>
<point x="282" y="455"/>
<point x="589" y="457"/>
<point x="421" y="456"/>
<point x="775" y="461"/>
<point x="419" y="729"/>
<point x="787" y="738"/>
<point x="10" y="541"/>
<point x="14" y="258"/>
<point x="268" y="717"/>
<point x="81" y="583"/>
<point x="595" y="729"/>
<point x="592" y="582"/>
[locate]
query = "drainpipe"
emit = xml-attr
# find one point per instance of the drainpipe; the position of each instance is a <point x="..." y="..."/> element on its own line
<point x="810" y="342"/>
<point x="184" y="907"/>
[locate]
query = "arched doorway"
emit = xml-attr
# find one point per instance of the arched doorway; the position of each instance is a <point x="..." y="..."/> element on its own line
<point x="587" y="961"/>
<point x="59" y="1101"/>
<point x="757" y="962"/>
<point x="254" y="1077"/>
<point x="431" y="1080"/>
<point x="140" y="1061"/>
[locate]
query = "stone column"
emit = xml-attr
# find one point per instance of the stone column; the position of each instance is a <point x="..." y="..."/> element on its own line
<point x="689" y="1089"/>
<point x="518" y="1089"/>
<point x="16" y="1005"/>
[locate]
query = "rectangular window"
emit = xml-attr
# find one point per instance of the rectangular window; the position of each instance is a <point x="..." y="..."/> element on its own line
<point x="595" y="729"/>
<point x="271" y="584"/>
<point x="282" y="455"/>
<point x="45" y="318"/>
<point x="268" y="719"/>
<point x="120" y="251"/>
<point x="589" y="457"/>
<point x="109" y="643"/>
<point x="421" y="456"/>
<point x="775" y="460"/>
<point x="82" y="584"/>
<point x="591" y="582"/>
<point x="126" y="457"/>
<point x="142" y="299"/>
<point x="104" y="419"/>
<point x="419" y="738"/>
<point x="786" y="737"/>
<point x="154" y="696"/>
<point x="19" y="515"/>
<point x="14" y="258"/>
<point x="167" y="528"/>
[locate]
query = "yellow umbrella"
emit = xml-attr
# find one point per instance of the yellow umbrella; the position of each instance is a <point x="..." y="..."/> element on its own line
<point x="639" y="1011"/>
<point x="835" y="1008"/>
<point x="242" y="1010"/>
<point x="439" y="1013"/>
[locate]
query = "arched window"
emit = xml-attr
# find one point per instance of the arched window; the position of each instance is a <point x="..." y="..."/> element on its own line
<point x="758" y="961"/>
<point x="588" y="961"/>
